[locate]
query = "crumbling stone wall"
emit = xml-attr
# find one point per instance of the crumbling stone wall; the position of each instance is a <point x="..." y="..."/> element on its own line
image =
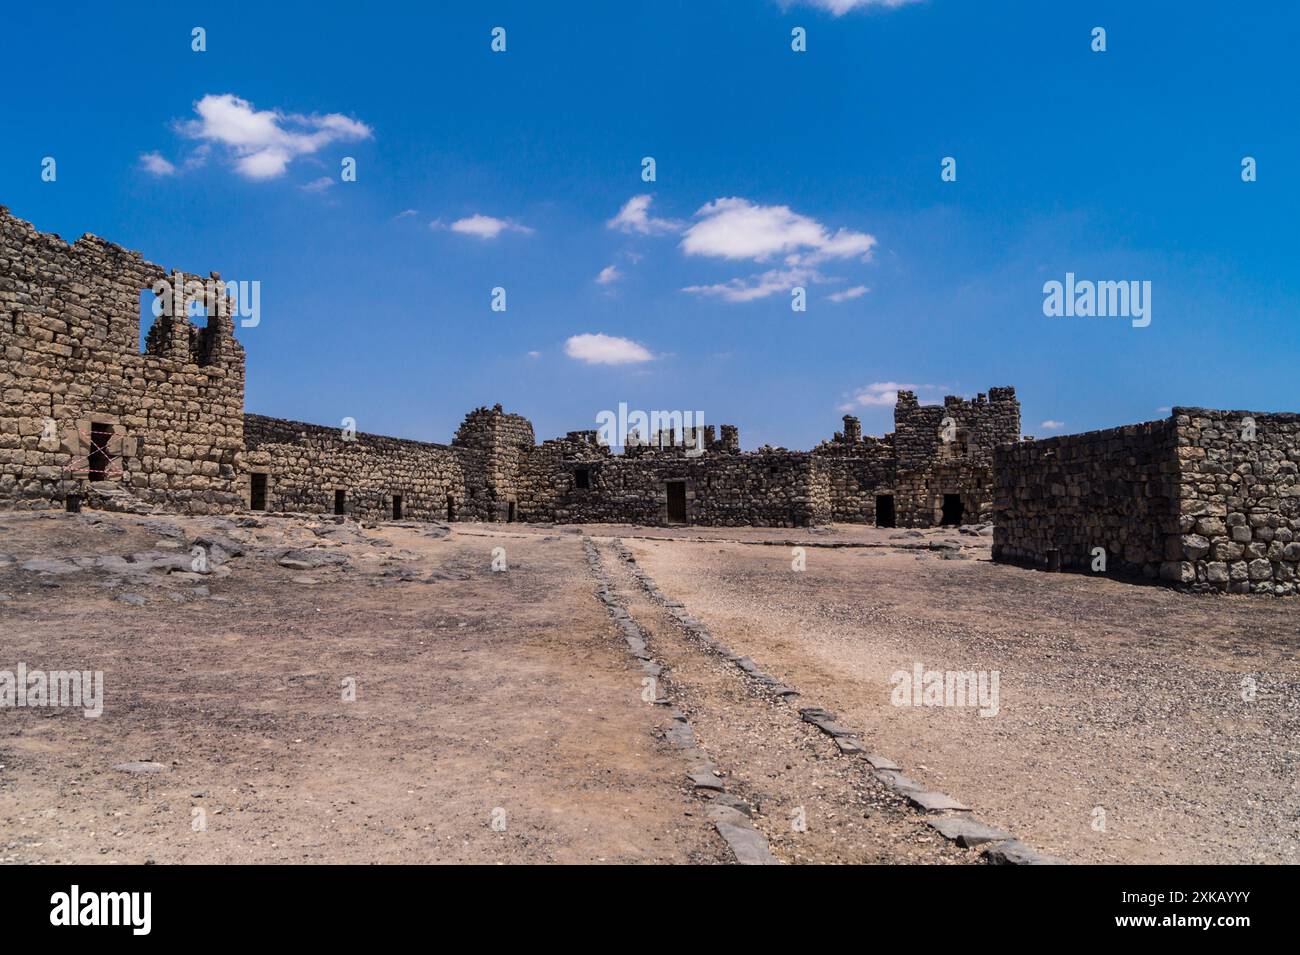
<point x="70" y="359"/>
<point x="1060" y="498"/>
<point x="935" y="451"/>
<point x="306" y="464"/>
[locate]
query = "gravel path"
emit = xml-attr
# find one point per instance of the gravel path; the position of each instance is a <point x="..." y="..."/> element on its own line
<point x="1122" y="734"/>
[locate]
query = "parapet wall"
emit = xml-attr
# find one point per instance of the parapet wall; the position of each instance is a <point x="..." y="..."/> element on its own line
<point x="169" y="422"/>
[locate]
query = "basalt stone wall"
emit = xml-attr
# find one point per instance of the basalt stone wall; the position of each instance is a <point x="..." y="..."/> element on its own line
<point x="492" y="446"/>
<point x="305" y="465"/>
<point x="169" y="422"/>
<point x="852" y="483"/>
<point x="1058" y="499"/>
<point x="1239" y="503"/>
<point x="936" y="452"/>
<point x="919" y="501"/>
<point x="721" y="487"/>
<point x="550" y="488"/>
<point x="977" y="427"/>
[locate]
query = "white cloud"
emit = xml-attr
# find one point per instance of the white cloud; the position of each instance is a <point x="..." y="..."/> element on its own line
<point x="156" y="164"/>
<point x="735" y="228"/>
<point x="849" y="293"/>
<point x="608" y="275"/>
<point x="264" y="142"/>
<point x="1050" y="425"/>
<point x="882" y="393"/>
<point x="407" y="213"/>
<point x="317" y="185"/>
<point x="601" y="349"/>
<point x="635" y="217"/>
<point x="484" y="227"/>
<point x="841" y="7"/>
<point x="771" y="282"/>
<point x="534" y="354"/>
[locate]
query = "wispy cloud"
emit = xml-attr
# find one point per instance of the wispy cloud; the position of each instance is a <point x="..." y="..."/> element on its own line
<point x="600" y="349"/>
<point x="848" y="294"/>
<point x="882" y="394"/>
<point x="1051" y="425"/>
<point x="483" y="227"/>
<point x="318" y="185"/>
<point x="757" y="286"/>
<point x="608" y="275"/>
<point x="156" y="164"/>
<point x="841" y="7"/>
<point x="262" y="143"/>
<point x="635" y="217"/>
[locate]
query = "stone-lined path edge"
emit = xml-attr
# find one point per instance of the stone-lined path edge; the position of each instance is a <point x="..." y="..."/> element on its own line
<point x="944" y="814"/>
<point x="729" y="813"/>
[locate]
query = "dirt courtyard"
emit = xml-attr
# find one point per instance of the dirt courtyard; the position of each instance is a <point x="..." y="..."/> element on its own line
<point x="295" y="689"/>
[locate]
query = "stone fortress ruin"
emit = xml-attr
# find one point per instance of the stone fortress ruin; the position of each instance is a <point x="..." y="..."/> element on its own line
<point x="1204" y="500"/>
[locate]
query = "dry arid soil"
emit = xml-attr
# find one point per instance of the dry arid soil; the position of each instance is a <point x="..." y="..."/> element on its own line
<point x="498" y="715"/>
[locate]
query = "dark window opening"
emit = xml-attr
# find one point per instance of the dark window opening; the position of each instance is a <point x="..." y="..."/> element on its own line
<point x="676" y="502"/>
<point x="397" y="507"/>
<point x="257" y="492"/>
<point x="953" y="509"/>
<point x="451" y="508"/>
<point x="582" y="478"/>
<point x="510" y="513"/>
<point x="340" y="502"/>
<point x="885" y="510"/>
<point x="99" y="460"/>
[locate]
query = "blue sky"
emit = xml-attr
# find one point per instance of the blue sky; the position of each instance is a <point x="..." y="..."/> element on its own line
<point x="478" y="169"/>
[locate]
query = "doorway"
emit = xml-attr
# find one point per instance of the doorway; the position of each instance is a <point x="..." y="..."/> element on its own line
<point x="99" y="461"/>
<point x="510" y="513"/>
<point x="257" y="492"/>
<point x="676" y="502"/>
<point x="340" y="502"/>
<point x="953" y="510"/>
<point x="451" y="508"/>
<point x="397" y="507"/>
<point x="885" y="510"/>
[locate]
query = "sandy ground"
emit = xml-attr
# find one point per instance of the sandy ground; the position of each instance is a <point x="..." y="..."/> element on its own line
<point x="1122" y="734"/>
<point x="485" y="696"/>
<point x="498" y="692"/>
